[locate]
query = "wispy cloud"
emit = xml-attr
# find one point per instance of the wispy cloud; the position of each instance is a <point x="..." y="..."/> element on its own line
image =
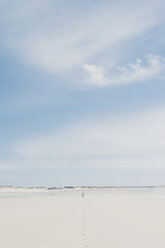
<point x="141" y="70"/>
<point x="128" y="142"/>
<point x="95" y="74"/>
<point x="44" y="35"/>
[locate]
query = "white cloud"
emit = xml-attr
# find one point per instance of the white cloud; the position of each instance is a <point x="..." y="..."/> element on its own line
<point x="58" y="40"/>
<point x="130" y="142"/>
<point x="139" y="71"/>
<point x="95" y="74"/>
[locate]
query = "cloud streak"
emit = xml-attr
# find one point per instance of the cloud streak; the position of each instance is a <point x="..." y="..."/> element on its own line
<point x="129" y="142"/>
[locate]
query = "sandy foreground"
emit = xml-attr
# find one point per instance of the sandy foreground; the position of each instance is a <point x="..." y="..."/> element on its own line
<point x="67" y="220"/>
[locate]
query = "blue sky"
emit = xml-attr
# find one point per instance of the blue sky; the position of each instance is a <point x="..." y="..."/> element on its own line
<point x="82" y="92"/>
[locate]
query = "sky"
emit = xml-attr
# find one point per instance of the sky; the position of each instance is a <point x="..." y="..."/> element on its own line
<point x="82" y="92"/>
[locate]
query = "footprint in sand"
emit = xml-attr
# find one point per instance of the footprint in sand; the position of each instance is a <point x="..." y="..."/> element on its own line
<point x="84" y="228"/>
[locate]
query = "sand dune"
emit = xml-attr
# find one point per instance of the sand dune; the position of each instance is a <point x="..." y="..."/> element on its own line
<point x="100" y="219"/>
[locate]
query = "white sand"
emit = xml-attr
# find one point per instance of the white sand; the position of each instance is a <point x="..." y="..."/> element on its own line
<point x="99" y="220"/>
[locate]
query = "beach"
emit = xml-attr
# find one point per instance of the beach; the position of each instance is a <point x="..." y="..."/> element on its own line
<point x="65" y="219"/>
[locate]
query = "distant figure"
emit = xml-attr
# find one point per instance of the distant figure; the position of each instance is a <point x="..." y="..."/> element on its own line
<point x="82" y="194"/>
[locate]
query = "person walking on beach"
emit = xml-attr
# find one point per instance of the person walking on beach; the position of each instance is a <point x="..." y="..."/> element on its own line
<point x="82" y="194"/>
